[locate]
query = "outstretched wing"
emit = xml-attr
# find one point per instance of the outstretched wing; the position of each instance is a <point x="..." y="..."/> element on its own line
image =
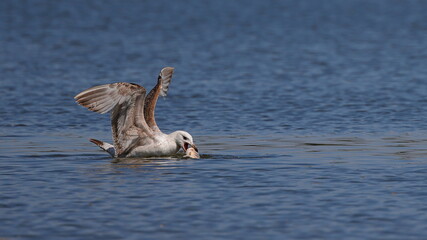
<point x="126" y="103"/>
<point x="161" y="89"/>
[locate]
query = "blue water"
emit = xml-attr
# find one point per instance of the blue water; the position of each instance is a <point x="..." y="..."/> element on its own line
<point x="310" y="117"/>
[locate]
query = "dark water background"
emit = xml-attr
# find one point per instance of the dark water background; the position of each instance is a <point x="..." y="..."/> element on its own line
<point x="311" y="117"/>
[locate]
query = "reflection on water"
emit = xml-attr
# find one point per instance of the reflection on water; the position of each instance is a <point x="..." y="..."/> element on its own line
<point x="146" y="163"/>
<point x="237" y="187"/>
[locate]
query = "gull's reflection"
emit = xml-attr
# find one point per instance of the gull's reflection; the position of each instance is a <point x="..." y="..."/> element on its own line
<point x="169" y="162"/>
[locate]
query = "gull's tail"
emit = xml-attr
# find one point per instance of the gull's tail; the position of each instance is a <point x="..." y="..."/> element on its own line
<point x="105" y="146"/>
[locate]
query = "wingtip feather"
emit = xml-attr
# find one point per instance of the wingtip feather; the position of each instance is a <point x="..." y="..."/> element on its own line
<point x="165" y="77"/>
<point x="97" y="142"/>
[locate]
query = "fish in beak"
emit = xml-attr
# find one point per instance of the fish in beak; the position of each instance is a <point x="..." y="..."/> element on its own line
<point x="191" y="150"/>
<point x="191" y="153"/>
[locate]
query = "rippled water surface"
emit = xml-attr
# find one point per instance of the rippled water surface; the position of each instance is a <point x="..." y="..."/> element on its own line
<point x="310" y="117"/>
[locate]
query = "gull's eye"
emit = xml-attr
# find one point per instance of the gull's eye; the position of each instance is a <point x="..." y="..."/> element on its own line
<point x="185" y="138"/>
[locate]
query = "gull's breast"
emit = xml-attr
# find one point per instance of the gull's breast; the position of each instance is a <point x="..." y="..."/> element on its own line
<point x="155" y="150"/>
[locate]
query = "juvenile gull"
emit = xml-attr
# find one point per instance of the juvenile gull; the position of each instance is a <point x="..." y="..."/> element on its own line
<point x="135" y="131"/>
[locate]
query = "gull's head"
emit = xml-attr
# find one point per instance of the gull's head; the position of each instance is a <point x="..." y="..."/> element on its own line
<point x="184" y="140"/>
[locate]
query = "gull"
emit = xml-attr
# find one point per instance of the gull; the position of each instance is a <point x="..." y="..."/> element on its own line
<point x="134" y="128"/>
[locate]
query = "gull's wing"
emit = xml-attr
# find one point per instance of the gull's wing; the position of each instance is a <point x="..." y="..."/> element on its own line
<point x="161" y="88"/>
<point x="126" y="103"/>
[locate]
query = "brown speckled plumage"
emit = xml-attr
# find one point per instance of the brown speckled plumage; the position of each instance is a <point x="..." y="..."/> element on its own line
<point x="132" y="113"/>
<point x="161" y="88"/>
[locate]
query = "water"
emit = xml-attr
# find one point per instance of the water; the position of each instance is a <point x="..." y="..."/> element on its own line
<point x="310" y="117"/>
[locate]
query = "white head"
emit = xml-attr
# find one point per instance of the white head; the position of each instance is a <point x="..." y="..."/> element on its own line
<point x="184" y="140"/>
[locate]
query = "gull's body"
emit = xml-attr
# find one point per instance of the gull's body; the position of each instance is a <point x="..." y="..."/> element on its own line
<point x="135" y="131"/>
<point x="163" y="145"/>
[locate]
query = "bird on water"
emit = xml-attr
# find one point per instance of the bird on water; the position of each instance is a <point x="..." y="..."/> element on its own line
<point x="134" y="128"/>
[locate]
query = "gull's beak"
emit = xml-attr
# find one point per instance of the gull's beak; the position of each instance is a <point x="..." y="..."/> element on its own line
<point x="187" y="144"/>
<point x="195" y="148"/>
